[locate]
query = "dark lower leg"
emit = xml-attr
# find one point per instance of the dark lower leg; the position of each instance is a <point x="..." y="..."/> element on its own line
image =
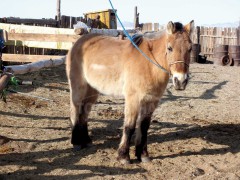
<point x="141" y="148"/>
<point x="80" y="136"/>
<point x="123" y="151"/>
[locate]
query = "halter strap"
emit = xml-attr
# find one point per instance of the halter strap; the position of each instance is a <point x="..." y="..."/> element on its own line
<point x="176" y="62"/>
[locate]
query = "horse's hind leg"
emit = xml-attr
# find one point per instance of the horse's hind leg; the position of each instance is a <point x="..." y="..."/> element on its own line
<point x="142" y="127"/>
<point x="82" y="98"/>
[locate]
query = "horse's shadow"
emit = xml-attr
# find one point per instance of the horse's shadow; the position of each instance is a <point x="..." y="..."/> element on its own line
<point x="219" y="134"/>
<point x="65" y="160"/>
<point x="47" y="161"/>
<point x="207" y="94"/>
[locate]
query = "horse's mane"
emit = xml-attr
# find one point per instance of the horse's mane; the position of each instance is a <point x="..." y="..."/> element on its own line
<point x="178" y="26"/>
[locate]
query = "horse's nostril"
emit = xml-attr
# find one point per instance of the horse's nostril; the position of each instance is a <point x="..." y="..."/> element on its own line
<point x="176" y="83"/>
<point x="176" y="80"/>
<point x="184" y="83"/>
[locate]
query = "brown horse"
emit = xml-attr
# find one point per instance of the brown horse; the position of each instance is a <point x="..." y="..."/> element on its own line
<point x="102" y="64"/>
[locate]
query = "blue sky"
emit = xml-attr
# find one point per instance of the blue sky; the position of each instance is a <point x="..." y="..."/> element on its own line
<point x="202" y="11"/>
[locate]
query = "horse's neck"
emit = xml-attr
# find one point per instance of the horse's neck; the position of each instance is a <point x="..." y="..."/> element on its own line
<point x="157" y="49"/>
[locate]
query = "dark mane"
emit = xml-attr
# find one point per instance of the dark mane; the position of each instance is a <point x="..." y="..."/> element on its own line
<point x="178" y="26"/>
<point x="137" y="39"/>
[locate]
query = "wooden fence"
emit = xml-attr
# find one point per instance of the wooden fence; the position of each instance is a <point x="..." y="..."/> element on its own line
<point x="206" y="37"/>
<point x="49" y="43"/>
<point x="65" y="21"/>
<point x="209" y="37"/>
<point x="34" y="43"/>
<point x="56" y="41"/>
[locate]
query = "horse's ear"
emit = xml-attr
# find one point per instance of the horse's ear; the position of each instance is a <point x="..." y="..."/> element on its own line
<point x="189" y="27"/>
<point x="170" y="28"/>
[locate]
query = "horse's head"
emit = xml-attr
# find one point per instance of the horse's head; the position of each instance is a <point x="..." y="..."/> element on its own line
<point x="178" y="50"/>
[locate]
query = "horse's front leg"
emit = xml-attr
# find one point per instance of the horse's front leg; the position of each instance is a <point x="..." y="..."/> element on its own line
<point x="131" y="114"/>
<point x="142" y="127"/>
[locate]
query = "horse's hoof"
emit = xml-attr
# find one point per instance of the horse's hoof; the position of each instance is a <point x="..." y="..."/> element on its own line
<point x="124" y="161"/>
<point x="77" y="147"/>
<point x="80" y="147"/>
<point x="145" y="159"/>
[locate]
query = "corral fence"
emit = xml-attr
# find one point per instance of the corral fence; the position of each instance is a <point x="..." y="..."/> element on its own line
<point x="206" y="40"/>
<point x="15" y="47"/>
<point x="37" y="42"/>
<point x="65" y="21"/>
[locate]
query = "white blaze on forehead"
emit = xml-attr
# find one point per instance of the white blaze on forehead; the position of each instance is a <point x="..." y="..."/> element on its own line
<point x="180" y="76"/>
<point x="98" y="67"/>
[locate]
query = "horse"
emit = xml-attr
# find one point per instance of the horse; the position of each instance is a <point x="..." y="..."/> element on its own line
<point x="103" y="64"/>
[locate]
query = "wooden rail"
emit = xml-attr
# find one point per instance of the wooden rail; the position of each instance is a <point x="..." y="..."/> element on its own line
<point x="47" y="22"/>
<point x="43" y="37"/>
<point x="27" y="58"/>
<point x="24" y="38"/>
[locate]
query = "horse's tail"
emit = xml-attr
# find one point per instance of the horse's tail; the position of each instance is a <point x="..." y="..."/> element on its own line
<point x="68" y="62"/>
<point x="73" y="63"/>
<point x="74" y="68"/>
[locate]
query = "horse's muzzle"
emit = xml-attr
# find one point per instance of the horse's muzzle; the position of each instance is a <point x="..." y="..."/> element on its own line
<point x="180" y="81"/>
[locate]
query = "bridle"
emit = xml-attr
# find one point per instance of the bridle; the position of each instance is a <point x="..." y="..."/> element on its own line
<point x="177" y="62"/>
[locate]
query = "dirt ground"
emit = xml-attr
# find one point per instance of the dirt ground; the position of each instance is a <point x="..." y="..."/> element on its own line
<point x="195" y="134"/>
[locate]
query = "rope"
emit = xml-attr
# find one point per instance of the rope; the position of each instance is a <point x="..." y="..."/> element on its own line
<point x="130" y="38"/>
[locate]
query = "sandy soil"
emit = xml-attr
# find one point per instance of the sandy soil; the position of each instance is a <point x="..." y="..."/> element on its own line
<point x="195" y="134"/>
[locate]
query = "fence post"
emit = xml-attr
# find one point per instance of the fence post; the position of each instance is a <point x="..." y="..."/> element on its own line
<point x="58" y="12"/>
<point x="238" y="35"/>
<point x="136" y="18"/>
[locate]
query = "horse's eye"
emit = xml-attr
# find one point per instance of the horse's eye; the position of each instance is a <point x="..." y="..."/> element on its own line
<point x="169" y="48"/>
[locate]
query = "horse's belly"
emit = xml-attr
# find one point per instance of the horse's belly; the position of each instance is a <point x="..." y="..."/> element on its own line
<point x="107" y="80"/>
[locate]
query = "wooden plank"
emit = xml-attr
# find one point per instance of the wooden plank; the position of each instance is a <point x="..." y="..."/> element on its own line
<point x="27" y="58"/>
<point x="35" y="66"/>
<point x="13" y="28"/>
<point x="235" y="34"/>
<point x="156" y="26"/>
<point x="39" y="44"/>
<point x="51" y="22"/>
<point x="216" y="36"/>
<point x="43" y="37"/>
<point x="238" y="36"/>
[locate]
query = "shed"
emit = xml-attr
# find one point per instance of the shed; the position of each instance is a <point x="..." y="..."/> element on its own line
<point x="107" y="18"/>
